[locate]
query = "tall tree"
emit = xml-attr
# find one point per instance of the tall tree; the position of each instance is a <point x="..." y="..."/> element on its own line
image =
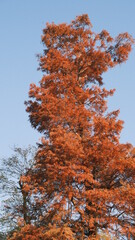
<point x="83" y="176"/>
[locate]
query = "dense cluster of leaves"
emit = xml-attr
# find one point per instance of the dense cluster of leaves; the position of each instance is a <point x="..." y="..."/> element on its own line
<point x="83" y="178"/>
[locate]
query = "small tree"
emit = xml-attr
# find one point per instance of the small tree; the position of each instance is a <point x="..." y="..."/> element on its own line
<point x="16" y="202"/>
<point x="83" y="176"/>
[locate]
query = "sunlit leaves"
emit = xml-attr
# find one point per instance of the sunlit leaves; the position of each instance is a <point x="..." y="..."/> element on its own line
<point x="83" y="177"/>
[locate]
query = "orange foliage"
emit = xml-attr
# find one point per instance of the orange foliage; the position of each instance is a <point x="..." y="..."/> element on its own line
<point x="29" y="232"/>
<point x="84" y="177"/>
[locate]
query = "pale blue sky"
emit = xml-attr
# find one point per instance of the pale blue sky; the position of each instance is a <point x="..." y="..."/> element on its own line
<point x="21" y="24"/>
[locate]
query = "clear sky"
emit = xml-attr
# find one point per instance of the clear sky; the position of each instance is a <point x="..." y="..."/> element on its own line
<point x="21" y="24"/>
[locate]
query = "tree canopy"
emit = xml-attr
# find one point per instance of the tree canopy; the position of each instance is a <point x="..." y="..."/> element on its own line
<point x="83" y="177"/>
